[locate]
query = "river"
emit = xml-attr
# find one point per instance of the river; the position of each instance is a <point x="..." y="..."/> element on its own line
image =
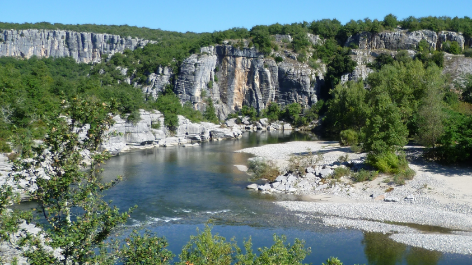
<point x="180" y="189"/>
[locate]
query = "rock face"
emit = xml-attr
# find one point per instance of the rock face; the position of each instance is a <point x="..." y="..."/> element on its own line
<point x="457" y="66"/>
<point x="234" y="77"/>
<point x="150" y="131"/>
<point x="82" y="46"/>
<point x="444" y="36"/>
<point x="158" y="81"/>
<point x="396" y="40"/>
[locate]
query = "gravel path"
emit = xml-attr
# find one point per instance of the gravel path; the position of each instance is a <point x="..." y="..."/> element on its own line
<point x="385" y="212"/>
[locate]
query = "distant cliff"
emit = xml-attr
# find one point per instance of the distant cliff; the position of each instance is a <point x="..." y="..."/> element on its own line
<point x="84" y="47"/>
<point x="234" y="77"/>
<point x="406" y="40"/>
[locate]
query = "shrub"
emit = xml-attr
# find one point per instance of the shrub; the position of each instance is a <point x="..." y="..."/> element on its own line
<point x="206" y="248"/>
<point x="341" y="172"/>
<point x="468" y="52"/>
<point x="134" y="117"/>
<point x="388" y="162"/>
<point x="356" y="148"/>
<point x="333" y="261"/>
<point x="403" y="175"/>
<point x="298" y="163"/>
<point x="145" y="249"/>
<point x="279" y="59"/>
<point x="210" y="84"/>
<point x="363" y="175"/>
<point x="348" y="137"/>
<point x="156" y="125"/>
<point x="313" y="64"/>
<point x="452" y="47"/>
<point x="263" y="169"/>
<point x="423" y="46"/>
<point x="4" y="147"/>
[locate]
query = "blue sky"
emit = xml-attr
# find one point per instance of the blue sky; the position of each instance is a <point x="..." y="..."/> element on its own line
<point x="208" y="16"/>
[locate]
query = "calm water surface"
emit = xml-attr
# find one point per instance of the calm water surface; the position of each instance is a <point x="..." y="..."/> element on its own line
<point x="179" y="189"/>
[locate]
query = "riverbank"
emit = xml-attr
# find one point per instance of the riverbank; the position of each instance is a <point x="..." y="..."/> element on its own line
<point x="432" y="211"/>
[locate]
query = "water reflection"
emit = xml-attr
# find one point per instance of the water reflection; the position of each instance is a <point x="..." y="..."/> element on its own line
<point x="381" y="250"/>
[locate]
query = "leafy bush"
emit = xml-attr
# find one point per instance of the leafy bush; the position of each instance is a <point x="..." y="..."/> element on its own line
<point x="206" y="248"/>
<point x="356" y="148"/>
<point x="279" y="59"/>
<point x="364" y="175"/>
<point x="340" y="172"/>
<point x="388" y="162"/>
<point x="423" y="46"/>
<point x="298" y="163"/>
<point x="333" y="261"/>
<point x="272" y="112"/>
<point x="156" y="125"/>
<point x="263" y="169"/>
<point x="134" y="117"/>
<point x="210" y="112"/>
<point x="404" y="174"/>
<point x="348" y="137"/>
<point x="452" y="47"/>
<point x="251" y="112"/>
<point x="468" y="52"/>
<point x="4" y="147"/>
<point x="145" y="249"/>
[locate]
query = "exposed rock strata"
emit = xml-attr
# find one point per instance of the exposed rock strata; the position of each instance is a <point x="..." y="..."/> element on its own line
<point x="235" y="77"/>
<point x="84" y="47"/>
<point x="150" y="131"/>
<point x="395" y="40"/>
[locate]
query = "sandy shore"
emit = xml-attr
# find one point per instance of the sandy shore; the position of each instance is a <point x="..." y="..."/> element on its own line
<point x="438" y="196"/>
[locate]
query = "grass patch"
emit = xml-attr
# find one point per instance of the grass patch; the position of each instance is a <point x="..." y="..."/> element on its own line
<point x="262" y="169"/>
<point x="403" y="176"/>
<point x="364" y="175"/>
<point x="298" y="163"/>
<point x="341" y="172"/>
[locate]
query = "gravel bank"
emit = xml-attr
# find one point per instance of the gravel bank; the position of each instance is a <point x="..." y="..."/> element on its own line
<point x="438" y="196"/>
<point x="445" y="243"/>
<point x="385" y="212"/>
<point x="369" y="226"/>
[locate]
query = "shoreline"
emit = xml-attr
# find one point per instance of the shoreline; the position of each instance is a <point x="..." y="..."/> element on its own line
<point x="438" y="198"/>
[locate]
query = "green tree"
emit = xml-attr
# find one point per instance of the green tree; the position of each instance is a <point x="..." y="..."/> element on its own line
<point x="272" y="112"/>
<point x="207" y="249"/>
<point x="78" y="220"/>
<point x="390" y="21"/>
<point x="384" y="132"/>
<point x="348" y="108"/>
<point x="169" y="104"/>
<point x="430" y="112"/>
<point x="145" y="249"/>
<point x="452" y="47"/>
<point x="210" y="112"/>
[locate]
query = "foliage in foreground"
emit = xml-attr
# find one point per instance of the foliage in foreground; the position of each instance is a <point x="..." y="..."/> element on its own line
<point x="206" y="248"/>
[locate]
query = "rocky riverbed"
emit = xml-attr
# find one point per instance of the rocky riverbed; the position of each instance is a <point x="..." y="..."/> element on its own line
<point x="437" y="199"/>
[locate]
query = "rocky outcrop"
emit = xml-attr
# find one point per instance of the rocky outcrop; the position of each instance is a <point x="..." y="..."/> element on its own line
<point x="158" y="81"/>
<point x="150" y="131"/>
<point x="444" y="36"/>
<point x="457" y="66"/>
<point x="234" y="77"/>
<point x="395" y="40"/>
<point x="84" y="47"/>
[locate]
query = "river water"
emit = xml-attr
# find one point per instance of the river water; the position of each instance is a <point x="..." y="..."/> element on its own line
<point x="180" y="189"/>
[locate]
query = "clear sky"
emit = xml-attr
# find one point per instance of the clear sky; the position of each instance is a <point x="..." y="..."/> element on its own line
<point x="208" y="16"/>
